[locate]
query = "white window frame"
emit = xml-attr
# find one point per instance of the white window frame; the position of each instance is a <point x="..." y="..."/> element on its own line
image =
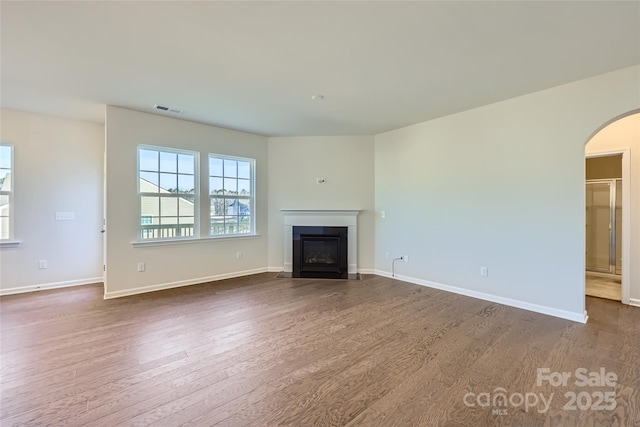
<point x="196" y="194"/>
<point x="9" y="193"/>
<point x="251" y="198"/>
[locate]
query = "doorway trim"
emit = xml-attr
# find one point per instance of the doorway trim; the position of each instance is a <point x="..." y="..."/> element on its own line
<point x="626" y="215"/>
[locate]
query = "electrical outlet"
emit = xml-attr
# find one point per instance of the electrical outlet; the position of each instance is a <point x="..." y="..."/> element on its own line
<point x="141" y="267"/>
<point x="239" y="255"/>
<point x="484" y="271"/>
<point x="386" y="255"/>
<point x="42" y="264"/>
<point x="405" y="258"/>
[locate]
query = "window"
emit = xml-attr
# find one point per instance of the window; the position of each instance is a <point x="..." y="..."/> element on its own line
<point x="231" y="191"/>
<point x="167" y="191"/>
<point x="6" y="191"/>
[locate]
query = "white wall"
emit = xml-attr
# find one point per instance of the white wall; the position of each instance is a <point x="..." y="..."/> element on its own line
<point x="345" y="162"/>
<point x="625" y="133"/>
<point x="57" y="168"/>
<point x="500" y="186"/>
<point x="176" y="264"/>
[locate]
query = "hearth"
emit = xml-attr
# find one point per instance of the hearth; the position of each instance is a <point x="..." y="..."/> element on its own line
<point x="320" y="252"/>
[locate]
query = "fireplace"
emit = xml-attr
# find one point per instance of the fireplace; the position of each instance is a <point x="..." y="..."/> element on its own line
<point x="302" y="218"/>
<point x="320" y="251"/>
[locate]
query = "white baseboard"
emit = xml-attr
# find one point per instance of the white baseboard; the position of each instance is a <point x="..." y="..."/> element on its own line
<point x="563" y="314"/>
<point x="45" y="286"/>
<point x="634" y="302"/>
<point x="576" y="317"/>
<point x="384" y="274"/>
<point x="180" y="283"/>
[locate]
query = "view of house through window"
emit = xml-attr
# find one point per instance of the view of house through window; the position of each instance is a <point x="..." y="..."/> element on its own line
<point x="6" y="190"/>
<point x="168" y="194"/>
<point x="232" y="196"/>
<point x="167" y="191"/>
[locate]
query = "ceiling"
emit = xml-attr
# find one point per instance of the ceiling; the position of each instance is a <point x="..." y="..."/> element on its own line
<point x="254" y="66"/>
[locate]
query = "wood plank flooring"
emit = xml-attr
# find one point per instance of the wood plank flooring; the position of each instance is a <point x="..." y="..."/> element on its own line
<point x="262" y="351"/>
<point x="609" y="287"/>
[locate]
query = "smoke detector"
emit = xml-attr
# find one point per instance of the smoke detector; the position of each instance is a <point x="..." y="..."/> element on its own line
<point x="167" y="109"/>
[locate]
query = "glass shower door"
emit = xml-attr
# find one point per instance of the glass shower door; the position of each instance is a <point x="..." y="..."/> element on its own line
<point x="618" y="227"/>
<point x="598" y="226"/>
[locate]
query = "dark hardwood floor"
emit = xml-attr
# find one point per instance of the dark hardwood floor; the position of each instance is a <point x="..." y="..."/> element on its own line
<point x="261" y="351"/>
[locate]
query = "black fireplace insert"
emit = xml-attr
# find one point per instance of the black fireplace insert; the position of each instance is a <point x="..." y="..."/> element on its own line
<point x="320" y="252"/>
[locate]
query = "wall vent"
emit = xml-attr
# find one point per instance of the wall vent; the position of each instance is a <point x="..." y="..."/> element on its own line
<point x="167" y="109"/>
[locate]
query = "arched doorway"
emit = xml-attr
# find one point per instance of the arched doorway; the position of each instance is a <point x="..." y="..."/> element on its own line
<point x="610" y="174"/>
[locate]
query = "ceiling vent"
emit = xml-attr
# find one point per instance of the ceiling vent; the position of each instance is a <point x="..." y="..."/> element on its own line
<point x="167" y="109"/>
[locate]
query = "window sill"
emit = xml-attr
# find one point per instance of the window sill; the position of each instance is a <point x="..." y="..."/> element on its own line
<point x="10" y="243"/>
<point x="189" y="241"/>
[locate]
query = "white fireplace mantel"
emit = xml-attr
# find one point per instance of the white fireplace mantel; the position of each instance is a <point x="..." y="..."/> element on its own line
<point x="324" y="218"/>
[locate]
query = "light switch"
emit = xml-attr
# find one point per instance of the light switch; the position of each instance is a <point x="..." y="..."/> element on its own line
<point x="65" y="216"/>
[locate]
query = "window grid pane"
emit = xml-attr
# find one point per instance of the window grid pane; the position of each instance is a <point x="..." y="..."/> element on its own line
<point x="149" y="160"/>
<point x="230" y="215"/>
<point x="185" y="164"/>
<point x="168" y="162"/>
<point x="244" y="187"/>
<point x="215" y="186"/>
<point x="230" y="168"/>
<point x="244" y="170"/>
<point x="230" y="186"/>
<point x="168" y="182"/>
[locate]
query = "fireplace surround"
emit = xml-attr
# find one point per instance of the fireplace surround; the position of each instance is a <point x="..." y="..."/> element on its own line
<point x="311" y="221"/>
